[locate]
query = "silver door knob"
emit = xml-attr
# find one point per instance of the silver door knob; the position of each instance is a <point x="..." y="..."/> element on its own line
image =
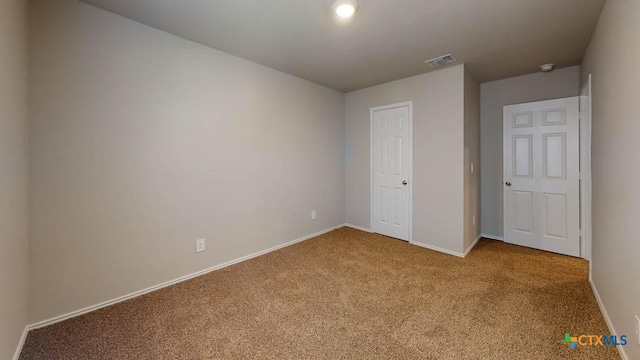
<point x="404" y="182"/>
<point x="507" y="183"/>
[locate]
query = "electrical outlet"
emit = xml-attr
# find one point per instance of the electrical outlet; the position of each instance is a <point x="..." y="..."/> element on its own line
<point x="638" y="328"/>
<point x="200" y="245"/>
<point x="472" y="168"/>
<point x="473" y="220"/>
<point x="313" y="214"/>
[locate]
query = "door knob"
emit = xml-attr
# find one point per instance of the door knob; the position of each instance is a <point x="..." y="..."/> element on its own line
<point x="404" y="182"/>
<point x="507" y="183"/>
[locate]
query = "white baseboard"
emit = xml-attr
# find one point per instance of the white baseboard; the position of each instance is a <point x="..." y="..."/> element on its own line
<point x="466" y="252"/>
<point x="454" y="253"/>
<point x="431" y="247"/>
<point x="358" y="228"/>
<point x="607" y="319"/>
<point x="16" y="355"/>
<point x="447" y="251"/>
<point x="492" y="237"/>
<point x="171" y="282"/>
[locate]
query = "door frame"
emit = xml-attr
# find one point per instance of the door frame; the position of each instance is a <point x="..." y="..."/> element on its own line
<point x="585" y="171"/>
<point x="408" y="104"/>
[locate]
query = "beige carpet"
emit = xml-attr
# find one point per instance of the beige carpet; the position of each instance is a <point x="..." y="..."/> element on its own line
<point x="350" y="295"/>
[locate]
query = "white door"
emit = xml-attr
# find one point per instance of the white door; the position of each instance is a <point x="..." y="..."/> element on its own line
<point x="541" y="175"/>
<point x="391" y="170"/>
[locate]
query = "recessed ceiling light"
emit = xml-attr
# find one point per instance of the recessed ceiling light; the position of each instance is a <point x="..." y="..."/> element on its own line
<point x="345" y="8"/>
<point x="547" y="67"/>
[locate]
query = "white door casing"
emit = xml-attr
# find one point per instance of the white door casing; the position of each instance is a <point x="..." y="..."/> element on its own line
<point x="391" y="170"/>
<point x="541" y="175"/>
<point x="585" y="170"/>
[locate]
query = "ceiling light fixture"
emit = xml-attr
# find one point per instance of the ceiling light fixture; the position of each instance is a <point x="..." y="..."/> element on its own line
<point x="547" y="67"/>
<point x="345" y="8"/>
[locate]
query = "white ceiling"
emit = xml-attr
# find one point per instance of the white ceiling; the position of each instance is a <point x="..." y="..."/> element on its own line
<point x="386" y="40"/>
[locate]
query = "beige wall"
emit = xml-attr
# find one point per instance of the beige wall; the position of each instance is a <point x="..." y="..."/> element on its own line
<point x="143" y="142"/>
<point x="471" y="155"/>
<point x="494" y="95"/>
<point x="438" y="111"/>
<point x="612" y="59"/>
<point x="13" y="175"/>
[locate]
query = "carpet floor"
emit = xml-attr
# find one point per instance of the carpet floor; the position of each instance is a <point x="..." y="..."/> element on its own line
<point x="350" y="295"/>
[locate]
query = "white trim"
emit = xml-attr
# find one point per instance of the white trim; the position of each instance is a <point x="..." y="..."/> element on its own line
<point x="408" y="104"/>
<point x="607" y="319"/>
<point x="357" y="227"/>
<point x="447" y="251"/>
<point x="466" y="252"/>
<point x="435" y="248"/>
<point x="585" y="175"/>
<point x="16" y="355"/>
<point x="132" y="295"/>
<point x="492" y="237"/>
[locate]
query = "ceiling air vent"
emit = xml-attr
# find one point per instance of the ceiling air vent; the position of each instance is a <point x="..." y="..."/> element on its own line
<point x="441" y="60"/>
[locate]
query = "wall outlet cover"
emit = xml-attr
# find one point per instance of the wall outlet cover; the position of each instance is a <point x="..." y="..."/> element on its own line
<point x="200" y="245"/>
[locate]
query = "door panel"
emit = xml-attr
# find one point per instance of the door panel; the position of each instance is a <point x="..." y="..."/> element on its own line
<point x="523" y="204"/>
<point x="555" y="155"/>
<point x="556" y="216"/>
<point x="523" y="156"/>
<point x="541" y="175"/>
<point x="391" y="171"/>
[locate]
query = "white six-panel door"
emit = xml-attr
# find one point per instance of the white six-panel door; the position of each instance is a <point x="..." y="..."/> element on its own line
<point x="391" y="170"/>
<point x="541" y="175"/>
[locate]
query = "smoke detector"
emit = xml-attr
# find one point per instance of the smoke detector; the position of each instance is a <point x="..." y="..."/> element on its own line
<point x="441" y="60"/>
<point x="547" y="67"/>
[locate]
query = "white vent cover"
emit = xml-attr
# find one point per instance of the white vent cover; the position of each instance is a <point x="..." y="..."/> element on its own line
<point x="441" y="60"/>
